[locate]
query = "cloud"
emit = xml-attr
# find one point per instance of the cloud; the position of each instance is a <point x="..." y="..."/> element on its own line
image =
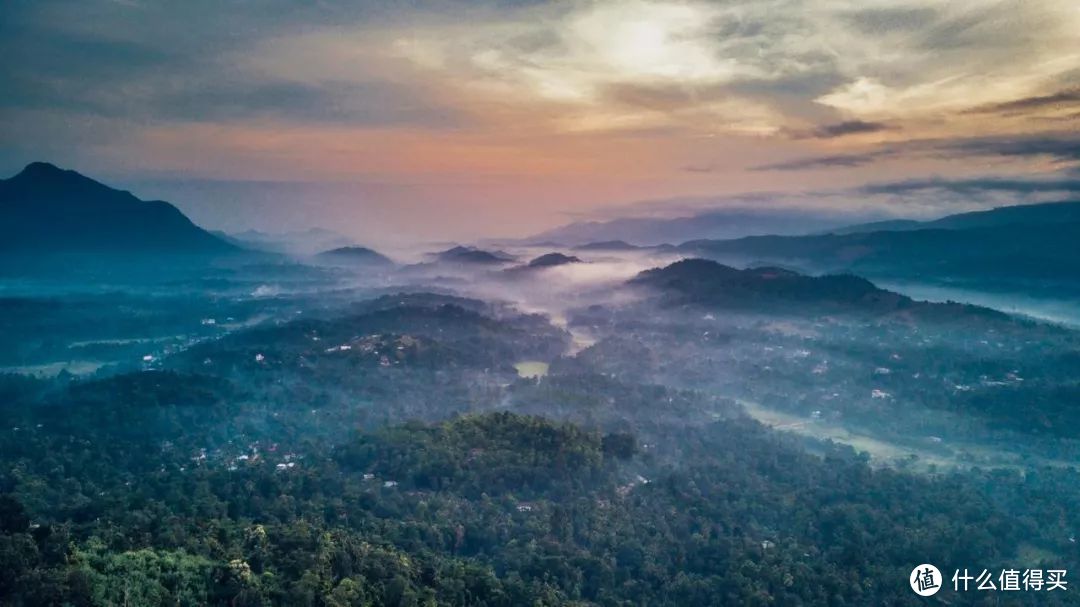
<point x="975" y="186"/>
<point x="827" y="162"/>
<point x="843" y="129"/>
<point x="1061" y="99"/>
<point x="161" y="63"/>
<point x="608" y="65"/>
<point x="738" y="67"/>
<point x="1059" y="148"/>
<point x="618" y="64"/>
<point x="371" y="103"/>
<point x="1063" y="149"/>
<point x="595" y="101"/>
<point x="875" y="21"/>
<point x="939" y="195"/>
<point x="926" y="197"/>
<point x="924" y="59"/>
<point x="699" y="168"/>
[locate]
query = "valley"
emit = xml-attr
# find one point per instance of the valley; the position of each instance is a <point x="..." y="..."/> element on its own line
<point x="595" y="426"/>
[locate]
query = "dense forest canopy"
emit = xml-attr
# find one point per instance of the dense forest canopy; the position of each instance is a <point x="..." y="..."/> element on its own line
<point x="388" y="454"/>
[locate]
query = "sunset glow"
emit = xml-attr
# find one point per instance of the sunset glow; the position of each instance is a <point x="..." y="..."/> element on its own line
<point x="532" y="114"/>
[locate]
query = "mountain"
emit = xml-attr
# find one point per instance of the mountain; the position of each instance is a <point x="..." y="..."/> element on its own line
<point x="46" y="209"/>
<point x="608" y="245"/>
<point x="470" y="255"/>
<point x="296" y="242"/>
<point x="889" y="225"/>
<point x="1016" y="215"/>
<point x="704" y="281"/>
<point x="1013" y="248"/>
<point x="553" y="259"/>
<point x="236" y="242"/>
<point x="357" y="255"/>
<point x="716" y="224"/>
<point x="549" y="260"/>
<point x="766" y="289"/>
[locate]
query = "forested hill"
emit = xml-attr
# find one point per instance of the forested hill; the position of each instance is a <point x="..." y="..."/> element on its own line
<point x="705" y="282"/>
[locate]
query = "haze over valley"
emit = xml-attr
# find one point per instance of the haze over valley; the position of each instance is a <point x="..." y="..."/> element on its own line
<point x="523" y="393"/>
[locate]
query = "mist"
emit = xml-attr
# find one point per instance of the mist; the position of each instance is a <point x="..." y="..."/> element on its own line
<point x="495" y="304"/>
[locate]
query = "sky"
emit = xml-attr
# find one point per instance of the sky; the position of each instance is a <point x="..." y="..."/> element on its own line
<point x="445" y="121"/>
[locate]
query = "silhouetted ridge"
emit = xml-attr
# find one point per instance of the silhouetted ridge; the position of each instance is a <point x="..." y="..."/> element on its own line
<point x="553" y="259"/>
<point x="356" y="254"/>
<point x="1046" y="252"/>
<point x="1011" y="216"/>
<point x="470" y="255"/>
<point x="47" y="209"/>
<point x="608" y="245"/>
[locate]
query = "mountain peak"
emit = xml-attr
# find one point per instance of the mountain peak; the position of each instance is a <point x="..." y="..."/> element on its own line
<point x="39" y="170"/>
<point x="39" y="166"/>
<point x="471" y="255"/>
<point x="553" y="259"/>
<point x="49" y="209"/>
<point x="38" y="178"/>
<point x="356" y="254"/>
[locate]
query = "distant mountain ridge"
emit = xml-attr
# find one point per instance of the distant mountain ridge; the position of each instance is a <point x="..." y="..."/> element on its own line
<point x="621" y="246"/>
<point x="1016" y="215"/>
<point x="608" y="245"/>
<point x="714" y="224"/>
<point x="45" y="209"/>
<point x="296" y="242"/>
<point x="1021" y="247"/>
